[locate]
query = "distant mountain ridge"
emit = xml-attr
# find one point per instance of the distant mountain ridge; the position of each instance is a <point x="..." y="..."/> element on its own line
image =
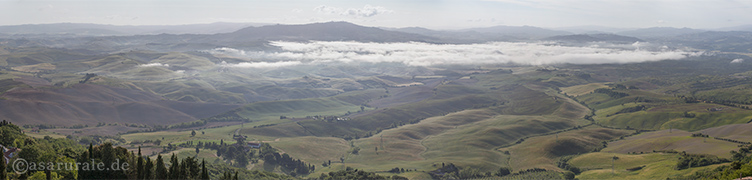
<point x="85" y="29"/>
<point x="329" y="31"/>
<point x="480" y="35"/>
<point x="98" y="38"/>
<point x="520" y="31"/>
<point x="613" y="38"/>
<point x="659" y="32"/>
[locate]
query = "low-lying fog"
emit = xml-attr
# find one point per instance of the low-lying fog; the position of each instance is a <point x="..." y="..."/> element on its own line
<point x="424" y="54"/>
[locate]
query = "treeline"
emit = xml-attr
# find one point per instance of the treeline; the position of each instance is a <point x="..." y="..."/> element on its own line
<point x="741" y="166"/>
<point x="698" y="160"/>
<point x="563" y="163"/>
<point x="350" y="173"/>
<point x="732" y="140"/>
<point x="293" y="166"/>
<point x="611" y="93"/>
<point x="450" y="171"/>
<point x="132" y="166"/>
<point x="97" y="139"/>
<point x="732" y="102"/>
<point x="242" y="155"/>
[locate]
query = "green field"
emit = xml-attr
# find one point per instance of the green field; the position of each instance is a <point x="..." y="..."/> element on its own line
<point x="677" y="140"/>
<point x="579" y="90"/>
<point x="656" y="166"/>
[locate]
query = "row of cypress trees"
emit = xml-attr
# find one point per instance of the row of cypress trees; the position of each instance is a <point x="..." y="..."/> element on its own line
<point x="107" y="162"/>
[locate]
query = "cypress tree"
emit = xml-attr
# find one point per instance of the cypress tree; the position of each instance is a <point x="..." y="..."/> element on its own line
<point x="91" y="151"/>
<point x="161" y="170"/>
<point x="204" y="172"/>
<point x="140" y="165"/>
<point x="227" y="176"/>
<point x="2" y="168"/>
<point x="148" y="169"/>
<point x="174" y="168"/>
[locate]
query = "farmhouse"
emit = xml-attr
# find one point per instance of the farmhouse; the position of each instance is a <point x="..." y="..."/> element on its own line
<point x="254" y="145"/>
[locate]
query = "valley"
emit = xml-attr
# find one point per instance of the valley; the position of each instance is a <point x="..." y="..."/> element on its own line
<point x="314" y="102"/>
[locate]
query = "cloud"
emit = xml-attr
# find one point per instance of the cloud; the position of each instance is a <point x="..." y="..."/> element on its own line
<point x="226" y="50"/>
<point x="154" y="65"/>
<point x="260" y="64"/>
<point x="423" y="54"/>
<point x="737" y="61"/>
<point x="366" y="11"/>
<point x="326" y="9"/>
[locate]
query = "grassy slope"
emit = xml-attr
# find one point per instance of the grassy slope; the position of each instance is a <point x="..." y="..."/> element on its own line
<point x="742" y="132"/>
<point x="336" y="105"/>
<point x="582" y="89"/>
<point x="314" y="150"/>
<point x="543" y="151"/>
<point x="675" y="140"/>
<point x="471" y="137"/>
<point x="657" y="166"/>
<point x="662" y="112"/>
<point x="467" y="138"/>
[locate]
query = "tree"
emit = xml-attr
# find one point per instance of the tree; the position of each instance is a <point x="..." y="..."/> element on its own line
<point x="148" y="169"/>
<point x="174" y="168"/>
<point x="193" y="133"/>
<point x="91" y="151"/>
<point x="191" y="166"/>
<point x="197" y="150"/>
<point x="140" y="165"/>
<point x="568" y="175"/>
<point x="2" y="168"/>
<point x="503" y="171"/>
<point x="161" y="170"/>
<point x="612" y="163"/>
<point x="241" y="159"/>
<point x="227" y="175"/>
<point x="204" y="173"/>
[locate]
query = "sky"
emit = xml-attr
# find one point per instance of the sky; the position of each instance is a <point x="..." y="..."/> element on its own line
<point x="435" y="14"/>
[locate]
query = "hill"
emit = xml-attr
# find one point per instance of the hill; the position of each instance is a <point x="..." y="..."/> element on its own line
<point x="329" y="31"/>
<point x="84" y="29"/>
<point x="659" y="32"/>
<point x="581" y="38"/>
<point x="92" y="104"/>
<point x="729" y="41"/>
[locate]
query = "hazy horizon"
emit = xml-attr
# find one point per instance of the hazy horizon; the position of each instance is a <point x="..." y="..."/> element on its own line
<point x="429" y="14"/>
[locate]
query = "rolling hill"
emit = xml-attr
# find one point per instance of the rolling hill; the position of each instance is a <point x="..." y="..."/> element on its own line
<point x="329" y="31"/>
<point x="87" y="104"/>
<point x="581" y="38"/>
